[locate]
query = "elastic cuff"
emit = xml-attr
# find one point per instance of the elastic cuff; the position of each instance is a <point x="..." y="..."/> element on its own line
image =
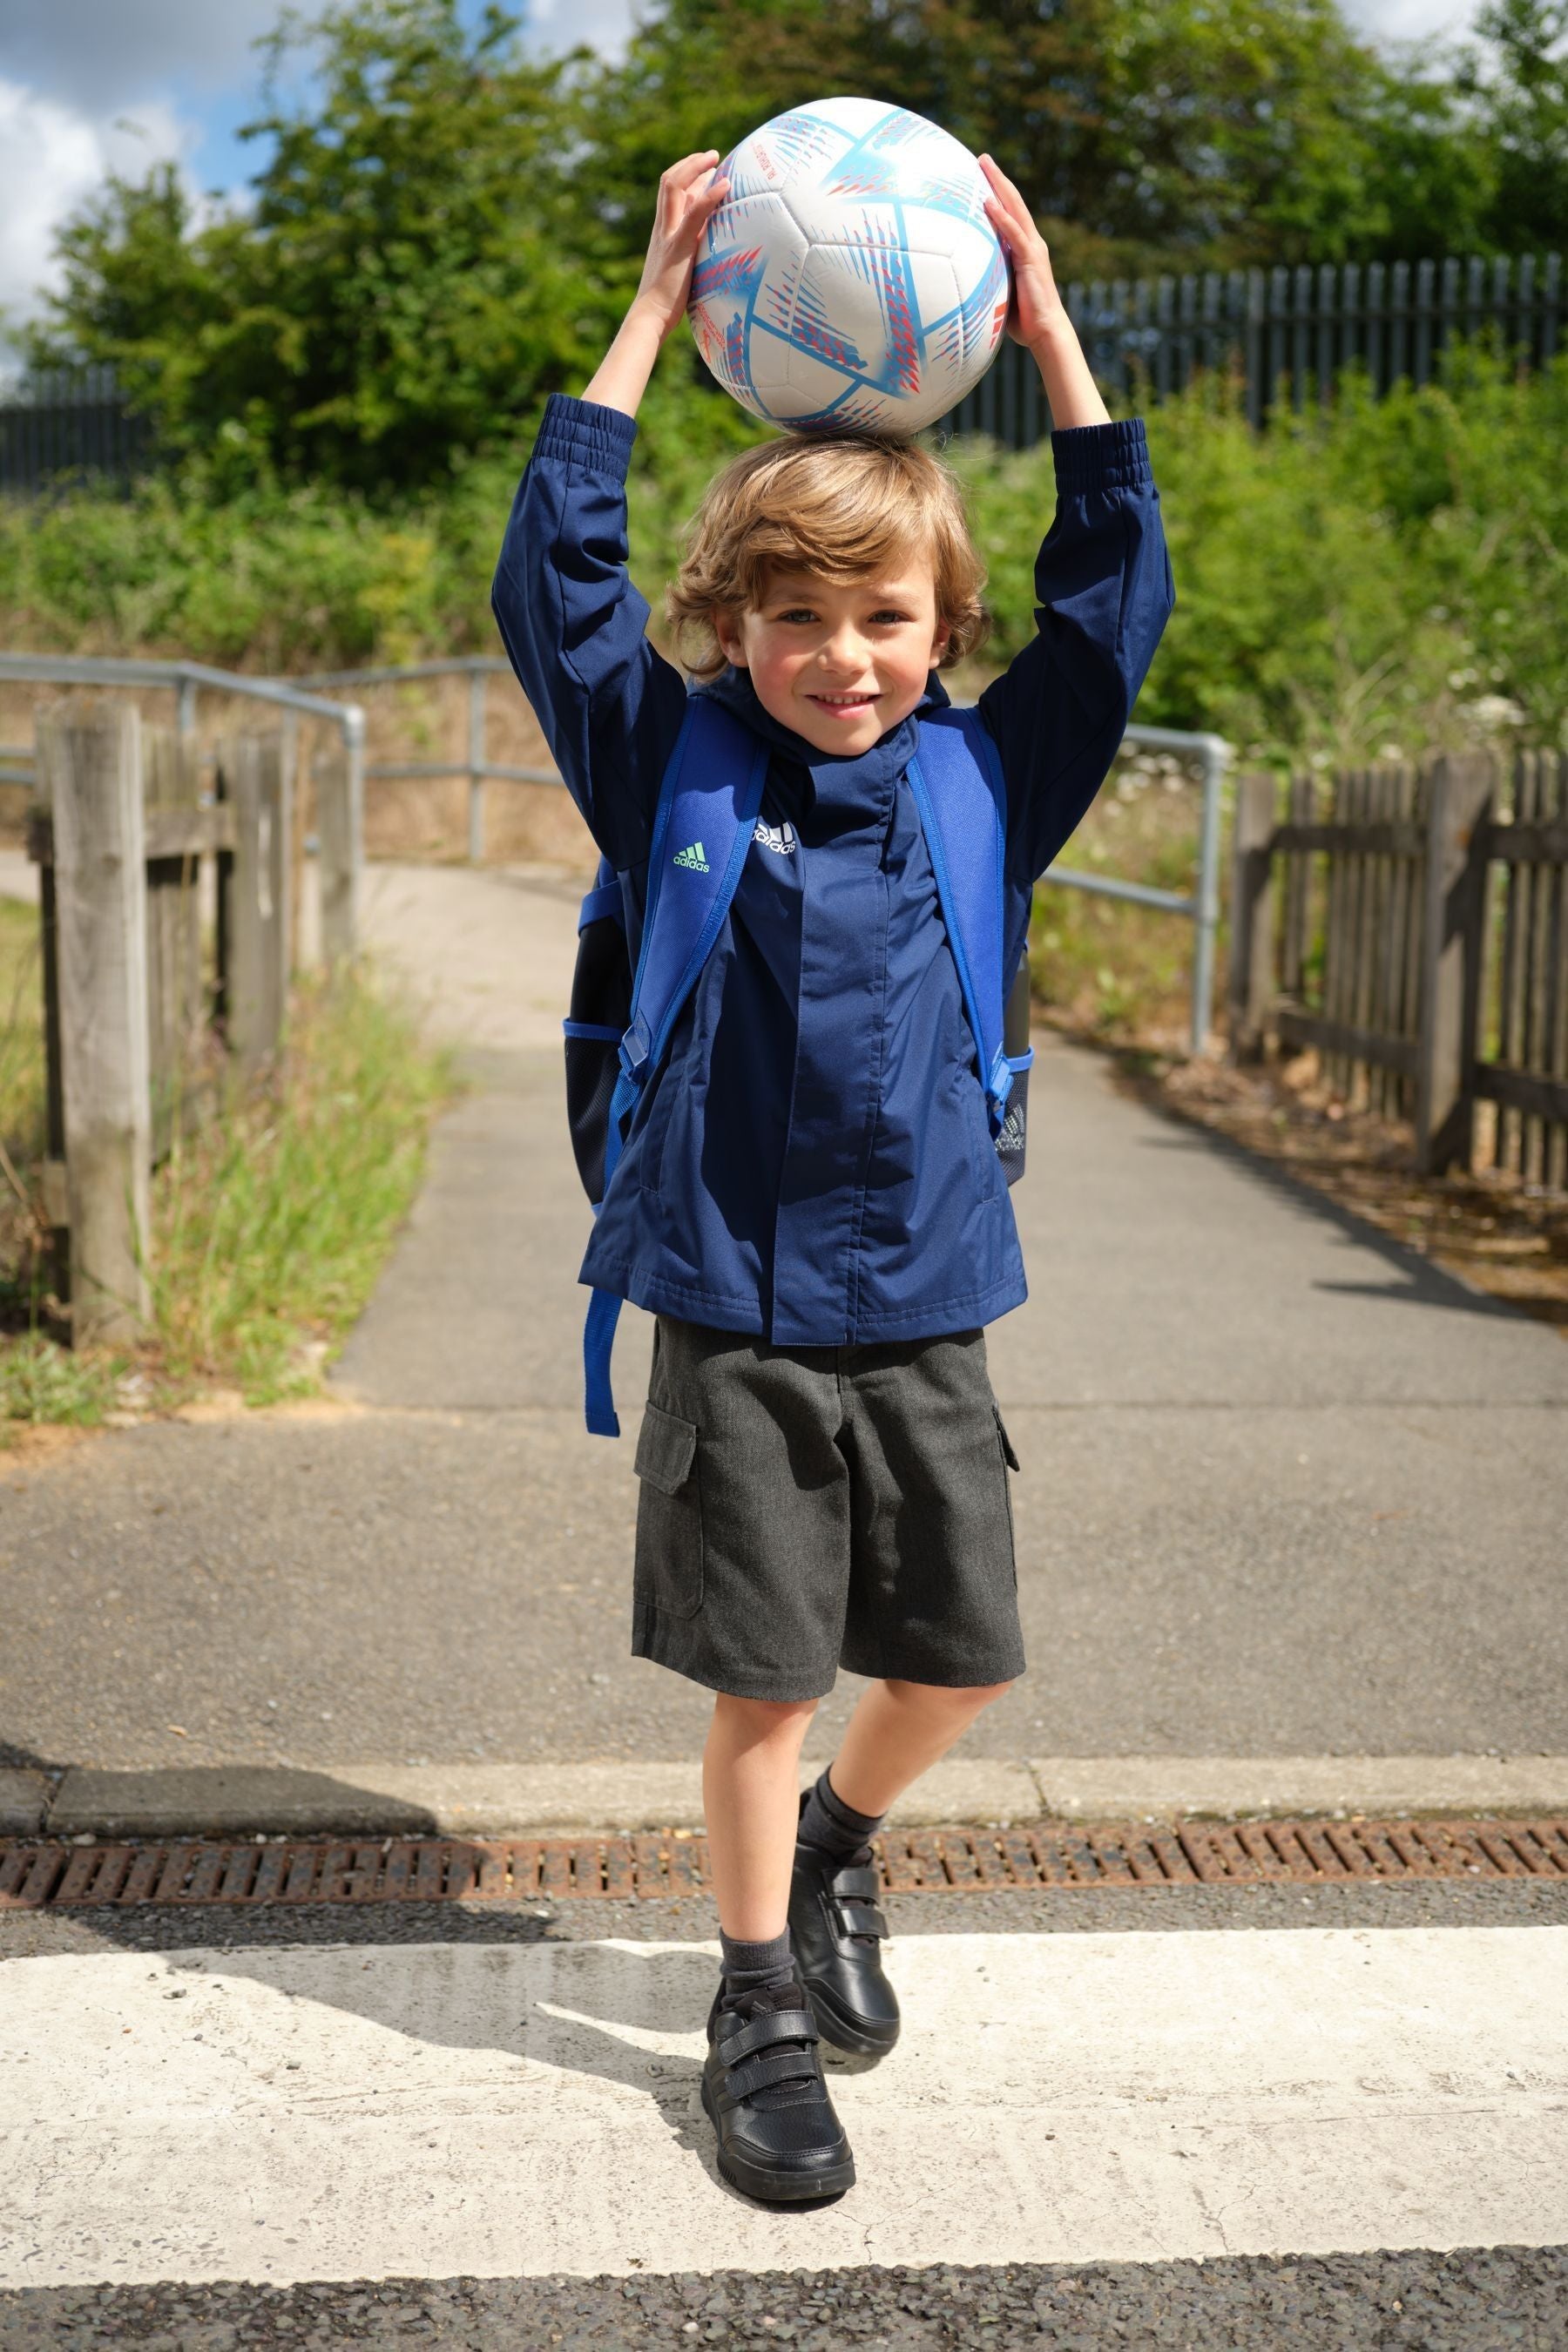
<point x="1103" y="456"/>
<point x="582" y="432"/>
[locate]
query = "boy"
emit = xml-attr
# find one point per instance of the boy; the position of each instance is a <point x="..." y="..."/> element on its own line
<point x="808" y="1197"/>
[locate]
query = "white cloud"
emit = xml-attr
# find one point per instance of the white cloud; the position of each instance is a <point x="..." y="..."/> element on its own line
<point x="1433" y="22"/>
<point x="52" y="156"/>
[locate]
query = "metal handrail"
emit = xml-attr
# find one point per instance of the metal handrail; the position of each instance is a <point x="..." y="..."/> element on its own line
<point x="1212" y="753"/>
<point x="186" y="681"/>
<point x="1202" y="909"/>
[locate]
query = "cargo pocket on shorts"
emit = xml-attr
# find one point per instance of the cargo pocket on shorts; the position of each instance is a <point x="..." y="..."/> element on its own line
<point x="1009" y="1463"/>
<point x="669" y="1561"/>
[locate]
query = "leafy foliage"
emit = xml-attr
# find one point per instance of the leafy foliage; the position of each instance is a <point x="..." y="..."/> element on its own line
<point x="443" y="229"/>
<point x="1381" y="573"/>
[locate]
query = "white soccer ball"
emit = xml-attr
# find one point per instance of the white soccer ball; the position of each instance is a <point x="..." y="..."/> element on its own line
<point x="850" y="280"/>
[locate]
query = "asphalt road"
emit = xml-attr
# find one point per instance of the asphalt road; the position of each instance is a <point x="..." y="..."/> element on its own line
<point x="214" y="1991"/>
<point x="1286" y="1489"/>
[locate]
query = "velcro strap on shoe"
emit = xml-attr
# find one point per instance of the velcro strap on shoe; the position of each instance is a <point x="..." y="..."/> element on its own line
<point x="771" y="2025"/>
<point x="756" y="2073"/>
<point x="860" y="1879"/>
<point x="860" y="1919"/>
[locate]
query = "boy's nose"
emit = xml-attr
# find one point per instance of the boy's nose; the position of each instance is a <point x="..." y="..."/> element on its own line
<point x="846" y="650"/>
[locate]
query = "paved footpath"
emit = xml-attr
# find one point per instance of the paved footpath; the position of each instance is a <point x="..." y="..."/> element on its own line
<point x="1292" y="1503"/>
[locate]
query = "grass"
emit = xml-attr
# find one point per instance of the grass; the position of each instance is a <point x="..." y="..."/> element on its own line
<point x="270" y="1223"/>
<point x="1105" y="968"/>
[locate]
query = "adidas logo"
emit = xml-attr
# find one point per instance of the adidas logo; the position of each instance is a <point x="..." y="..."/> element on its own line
<point x="693" y="858"/>
<point x="1011" y="1136"/>
<point x="780" y="838"/>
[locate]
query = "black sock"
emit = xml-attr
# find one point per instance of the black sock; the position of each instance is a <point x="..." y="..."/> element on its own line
<point x="755" y="1967"/>
<point x="831" y="1824"/>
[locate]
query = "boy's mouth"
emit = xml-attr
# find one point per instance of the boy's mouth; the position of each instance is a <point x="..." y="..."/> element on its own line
<point x="842" y="706"/>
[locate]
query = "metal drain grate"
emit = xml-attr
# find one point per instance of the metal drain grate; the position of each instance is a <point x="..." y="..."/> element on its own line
<point x="675" y="1862"/>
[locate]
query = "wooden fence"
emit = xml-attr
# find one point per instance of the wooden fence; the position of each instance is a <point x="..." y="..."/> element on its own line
<point x="142" y="1002"/>
<point x="1412" y="924"/>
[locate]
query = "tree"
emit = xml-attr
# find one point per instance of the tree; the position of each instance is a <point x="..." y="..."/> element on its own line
<point x="1519" y="96"/>
<point x="1147" y="133"/>
<point x="413" y="269"/>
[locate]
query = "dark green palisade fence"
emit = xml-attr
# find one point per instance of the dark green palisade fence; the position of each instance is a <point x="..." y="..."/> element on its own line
<point x="65" y="424"/>
<point x="1286" y="334"/>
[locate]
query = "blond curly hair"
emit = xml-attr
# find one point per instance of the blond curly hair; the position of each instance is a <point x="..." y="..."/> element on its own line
<point x="850" y="508"/>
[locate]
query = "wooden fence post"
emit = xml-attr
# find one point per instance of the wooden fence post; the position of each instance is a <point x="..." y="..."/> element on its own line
<point x="1452" y="944"/>
<point x="1252" y="918"/>
<point x="175" y="1011"/>
<point x="89" y="763"/>
<point x="338" y="857"/>
<point x="256" y="925"/>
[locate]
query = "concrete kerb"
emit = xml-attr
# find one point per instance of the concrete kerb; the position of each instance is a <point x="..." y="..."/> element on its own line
<point x="559" y="1800"/>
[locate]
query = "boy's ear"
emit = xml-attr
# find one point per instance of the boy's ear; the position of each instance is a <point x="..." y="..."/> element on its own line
<point x="941" y="639"/>
<point x="727" y="629"/>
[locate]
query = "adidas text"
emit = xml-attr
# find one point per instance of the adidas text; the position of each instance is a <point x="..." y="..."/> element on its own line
<point x="693" y="858"/>
<point x="780" y="838"/>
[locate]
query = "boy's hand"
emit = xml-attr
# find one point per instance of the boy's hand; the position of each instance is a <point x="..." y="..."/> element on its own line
<point x="689" y="193"/>
<point x="1035" y="308"/>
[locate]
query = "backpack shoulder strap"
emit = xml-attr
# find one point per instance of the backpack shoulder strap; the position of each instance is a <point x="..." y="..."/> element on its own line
<point x="956" y="778"/>
<point x="708" y="806"/>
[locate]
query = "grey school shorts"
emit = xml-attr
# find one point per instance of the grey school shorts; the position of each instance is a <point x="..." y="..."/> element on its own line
<point x="806" y="1508"/>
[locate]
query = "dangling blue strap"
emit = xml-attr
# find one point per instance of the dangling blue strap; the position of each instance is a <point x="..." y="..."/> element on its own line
<point x="708" y="805"/>
<point x="963" y="815"/>
<point x="598" y="1344"/>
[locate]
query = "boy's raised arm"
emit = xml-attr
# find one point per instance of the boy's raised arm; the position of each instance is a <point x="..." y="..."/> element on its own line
<point x="1102" y="578"/>
<point x="573" y="625"/>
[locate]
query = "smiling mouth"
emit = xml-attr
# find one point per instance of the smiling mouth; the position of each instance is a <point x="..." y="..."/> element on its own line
<point x="843" y="703"/>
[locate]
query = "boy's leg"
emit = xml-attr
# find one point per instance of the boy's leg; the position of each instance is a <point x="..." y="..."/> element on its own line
<point x="779" y="2137"/>
<point x="751" y="1776"/>
<point x="898" y="1730"/>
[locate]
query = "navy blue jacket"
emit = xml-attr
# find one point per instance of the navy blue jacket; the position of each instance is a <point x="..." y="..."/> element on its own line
<point x="813" y="1164"/>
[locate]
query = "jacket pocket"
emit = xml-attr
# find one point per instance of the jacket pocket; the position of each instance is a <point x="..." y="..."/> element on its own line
<point x="667" y="1570"/>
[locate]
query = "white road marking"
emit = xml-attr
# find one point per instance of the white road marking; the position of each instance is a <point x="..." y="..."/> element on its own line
<point x="353" y="2112"/>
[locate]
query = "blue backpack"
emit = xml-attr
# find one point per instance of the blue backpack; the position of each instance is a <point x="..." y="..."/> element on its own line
<point x="620" y="1025"/>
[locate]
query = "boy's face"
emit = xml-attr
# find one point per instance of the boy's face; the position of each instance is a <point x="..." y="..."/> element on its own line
<point x="839" y="661"/>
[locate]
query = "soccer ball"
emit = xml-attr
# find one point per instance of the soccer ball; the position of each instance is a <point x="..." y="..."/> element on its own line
<point x="850" y="280"/>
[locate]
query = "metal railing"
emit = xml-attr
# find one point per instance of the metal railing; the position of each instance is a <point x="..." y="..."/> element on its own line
<point x="478" y="669"/>
<point x="1201" y="908"/>
<point x="1211" y="752"/>
<point x="187" y="681"/>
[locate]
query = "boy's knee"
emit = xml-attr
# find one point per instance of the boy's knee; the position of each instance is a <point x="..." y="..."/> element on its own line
<point x="958" y="1697"/>
<point x="764" y="1713"/>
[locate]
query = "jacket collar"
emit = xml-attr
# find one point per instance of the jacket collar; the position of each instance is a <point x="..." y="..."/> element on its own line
<point x="835" y="775"/>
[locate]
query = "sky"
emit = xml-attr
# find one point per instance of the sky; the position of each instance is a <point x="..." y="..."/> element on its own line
<point x="92" y="86"/>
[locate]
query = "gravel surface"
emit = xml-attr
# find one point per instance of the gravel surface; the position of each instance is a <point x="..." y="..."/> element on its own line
<point x="1020" y="1911"/>
<point x="1461" y="2301"/>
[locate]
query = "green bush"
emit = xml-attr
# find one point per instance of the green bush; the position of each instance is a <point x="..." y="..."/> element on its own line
<point x="1383" y="575"/>
<point x="1370" y="581"/>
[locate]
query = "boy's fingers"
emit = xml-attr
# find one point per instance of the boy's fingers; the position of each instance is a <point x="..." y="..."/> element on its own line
<point x="691" y="168"/>
<point x="1004" y="187"/>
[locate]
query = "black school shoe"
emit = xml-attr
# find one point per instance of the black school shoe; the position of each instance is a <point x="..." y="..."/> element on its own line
<point x="835" y="1929"/>
<point x="779" y="2138"/>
